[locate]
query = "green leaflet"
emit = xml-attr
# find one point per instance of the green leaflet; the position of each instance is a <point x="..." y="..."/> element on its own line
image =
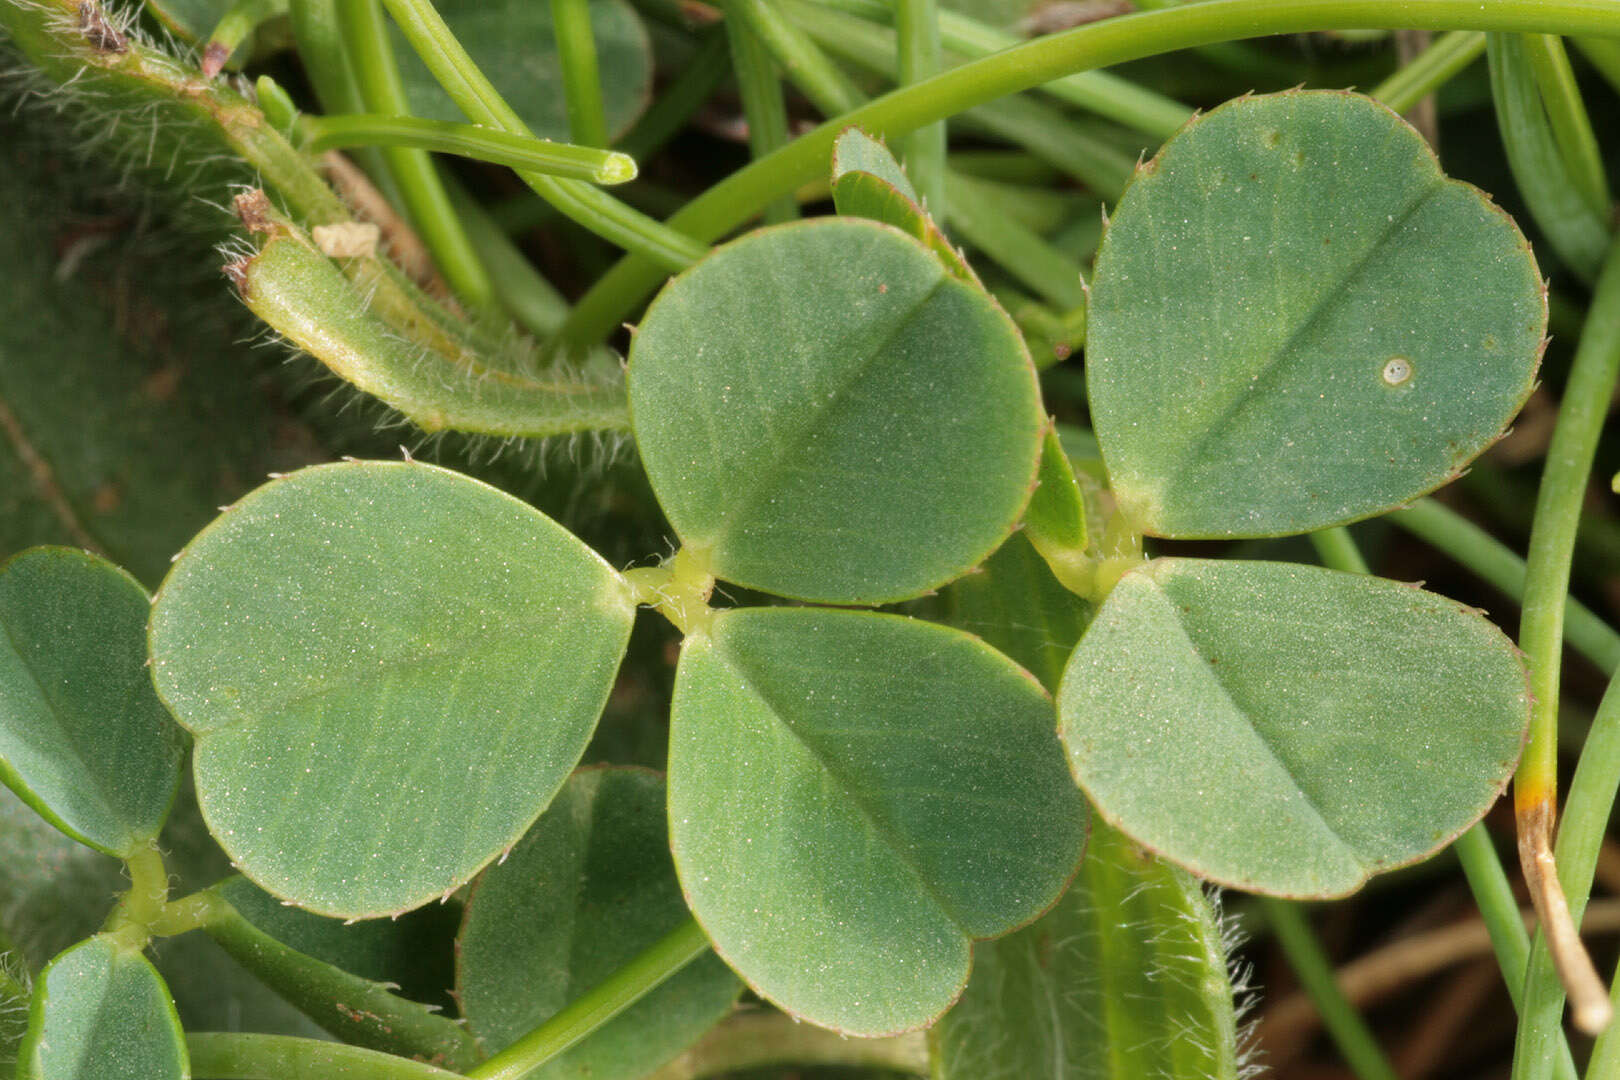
<point x="865" y="430"/>
<point x="1264" y="360"/>
<point x="361" y="651"/>
<point x="853" y="798"/>
<point x="1287" y="729"/>
<point x="589" y="887"/>
<point x="83" y="739"/>
<point x="513" y="42"/>
<point x="100" y="1012"/>
<point x="868" y="182"/>
<point x="1125" y="979"/>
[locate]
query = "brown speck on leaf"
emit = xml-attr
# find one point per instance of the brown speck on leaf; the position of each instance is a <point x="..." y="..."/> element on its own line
<point x="214" y="58"/>
<point x="253" y="207"/>
<point x="883" y="288"/>
<point x="99" y="31"/>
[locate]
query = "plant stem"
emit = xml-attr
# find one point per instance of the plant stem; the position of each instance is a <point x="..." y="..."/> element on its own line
<point x="1437" y="65"/>
<point x="1492" y="560"/>
<point x="1044" y="131"/>
<point x="595" y="210"/>
<point x="1574" y="230"/>
<point x="1493" y="894"/>
<point x="1571" y="127"/>
<point x="1552" y="544"/>
<point x="324" y="56"/>
<point x="354" y="1009"/>
<point x="918" y="56"/>
<point x="242" y="1056"/>
<point x="1108" y="96"/>
<point x="1338" y="551"/>
<point x="805" y="65"/>
<point x="148" y="891"/>
<point x="471" y="141"/>
<point x="762" y="103"/>
<point x="582" y="82"/>
<point x="1305" y="955"/>
<point x="426" y="202"/>
<point x="1580" y="835"/>
<point x="234" y="27"/>
<point x="1100" y="44"/>
<point x="600" y="1004"/>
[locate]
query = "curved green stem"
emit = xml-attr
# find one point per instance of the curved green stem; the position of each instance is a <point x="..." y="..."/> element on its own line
<point x="602" y="1003"/>
<point x="1310" y="963"/>
<point x="471" y="141"/>
<point x="1566" y="112"/>
<point x="241" y="1056"/>
<point x="1101" y="44"/>
<point x="916" y="29"/>
<point x="426" y="202"/>
<point x="1045" y="131"/>
<point x="324" y="56"/>
<point x="234" y="27"/>
<point x="1541" y="630"/>
<point x="1494" y="561"/>
<point x="1109" y="96"/>
<point x="663" y="247"/>
<point x="582" y="82"/>
<point x="1435" y="66"/>
<point x="354" y="1009"/>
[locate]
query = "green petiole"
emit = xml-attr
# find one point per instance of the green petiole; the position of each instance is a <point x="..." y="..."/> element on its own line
<point x="472" y="141"/>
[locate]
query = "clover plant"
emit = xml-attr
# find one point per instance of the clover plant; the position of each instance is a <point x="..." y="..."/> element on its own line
<point x="971" y="708"/>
